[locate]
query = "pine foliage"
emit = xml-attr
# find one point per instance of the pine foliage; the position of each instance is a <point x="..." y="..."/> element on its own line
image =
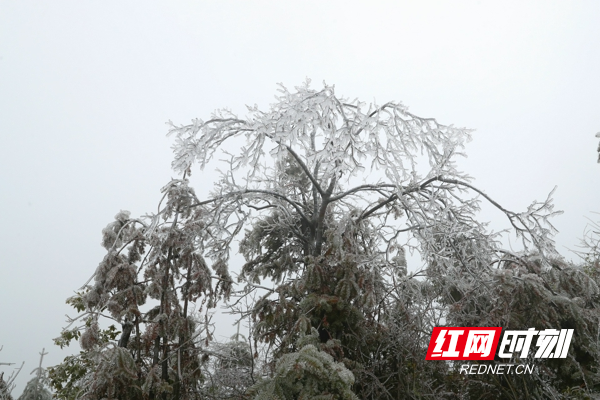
<point x="5" y="389"/>
<point x="37" y="388"/>
<point x="7" y="383"/>
<point x="34" y="391"/>
<point x="309" y="373"/>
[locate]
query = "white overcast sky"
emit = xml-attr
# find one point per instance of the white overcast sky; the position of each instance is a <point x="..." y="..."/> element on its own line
<point x="86" y="88"/>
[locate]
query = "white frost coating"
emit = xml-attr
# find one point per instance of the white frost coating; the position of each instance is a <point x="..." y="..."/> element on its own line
<point x="337" y="143"/>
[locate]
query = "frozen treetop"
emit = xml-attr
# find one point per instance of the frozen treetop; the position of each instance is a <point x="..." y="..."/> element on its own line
<point x="328" y="137"/>
<point x="357" y="160"/>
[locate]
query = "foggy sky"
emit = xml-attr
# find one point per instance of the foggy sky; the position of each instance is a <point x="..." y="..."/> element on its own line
<point x="86" y="89"/>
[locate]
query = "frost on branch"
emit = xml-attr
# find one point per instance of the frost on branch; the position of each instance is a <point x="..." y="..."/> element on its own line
<point x="37" y="388"/>
<point x="7" y="383"/>
<point x="333" y="193"/>
<point x="157" y="270"/>
<point x="325" y="197"/>
<point x="312" y="155"/>
<point x="309" y="373"/>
